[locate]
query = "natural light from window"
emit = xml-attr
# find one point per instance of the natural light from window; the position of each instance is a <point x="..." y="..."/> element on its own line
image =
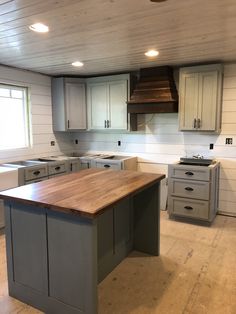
<point x="14" y="122"/>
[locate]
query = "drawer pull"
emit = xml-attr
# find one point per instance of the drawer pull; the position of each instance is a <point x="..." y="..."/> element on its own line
<point x="188" y="207"/>
<point x="57" y="168"/>
<point x="107" y="166"/>
<point x="188" y="188"/>
<point x="36" y="172"/>
<point x="189" y="173"/>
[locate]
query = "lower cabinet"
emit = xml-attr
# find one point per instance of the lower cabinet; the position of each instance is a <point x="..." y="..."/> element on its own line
<point x="193" y="191"/>
<point x="114" y="236"/>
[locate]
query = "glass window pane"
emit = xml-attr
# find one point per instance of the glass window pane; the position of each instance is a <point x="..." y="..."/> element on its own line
<point x="14" y="131"/>
<point x="4" y="92"/>
<point x="17" y="93"/>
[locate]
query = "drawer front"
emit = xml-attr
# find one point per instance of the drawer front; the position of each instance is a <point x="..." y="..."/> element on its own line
<point x="188" y="208"/>
<point x="107" y="165"/>
<point x="189" y="172"/>
<point x="188" y="188"/>
<point x="57" y="168"/>
<point x="36" y="180"/>
<point x="32" y="173"/>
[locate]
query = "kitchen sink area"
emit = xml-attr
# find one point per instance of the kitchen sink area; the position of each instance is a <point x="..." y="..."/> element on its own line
<point x="43" y="168"/>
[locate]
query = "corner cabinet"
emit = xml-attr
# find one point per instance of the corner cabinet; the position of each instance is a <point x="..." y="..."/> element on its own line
<point x="68" y="104"/>
<point x="200" y="97"/>
<point x="106" y="101"/>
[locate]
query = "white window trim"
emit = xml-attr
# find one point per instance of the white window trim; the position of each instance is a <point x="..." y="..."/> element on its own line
<point x="28" y="120"/>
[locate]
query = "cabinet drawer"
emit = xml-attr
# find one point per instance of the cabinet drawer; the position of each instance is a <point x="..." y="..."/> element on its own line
<point x="108" y="165"/>
<point x="57" y="168"/>
<point x="32" y="173"/>
<point x="188" y="188"/>
<point x="188" y="208"/>
<point x="36" y="180"/>
<point x="189" y="172"/>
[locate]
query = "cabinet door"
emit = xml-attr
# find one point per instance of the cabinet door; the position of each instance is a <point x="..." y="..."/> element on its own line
<point x="207" y="103"/>
<point x="118" y="105"/>
<point x="188" y="96"/>
<point x="98" y="105"/>
<point x="29" y="252"/>
<point x="75" y="106"/>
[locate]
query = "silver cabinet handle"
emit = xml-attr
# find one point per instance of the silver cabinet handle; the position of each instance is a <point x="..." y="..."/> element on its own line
<point x="105" y="123"/>
<point x="198" y="123"/>
<point x="68" y="124"/>
<point x="194" y="123"/>
<point x="108" y="123"/>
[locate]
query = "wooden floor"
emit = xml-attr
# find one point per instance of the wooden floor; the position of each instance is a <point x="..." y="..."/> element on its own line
<point x="195" y="274"/>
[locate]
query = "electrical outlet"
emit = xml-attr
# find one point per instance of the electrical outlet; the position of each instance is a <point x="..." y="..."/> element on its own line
<point x="229" y="141"/>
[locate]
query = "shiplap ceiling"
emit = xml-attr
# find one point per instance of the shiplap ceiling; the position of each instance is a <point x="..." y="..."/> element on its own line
<point x="111" y="36"/>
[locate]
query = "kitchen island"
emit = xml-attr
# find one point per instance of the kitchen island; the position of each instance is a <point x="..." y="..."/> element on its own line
<point x="66" y="234"/>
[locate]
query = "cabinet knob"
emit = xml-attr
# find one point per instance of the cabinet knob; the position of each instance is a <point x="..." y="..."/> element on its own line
<point x="57" y="168"/>
<point x="107" y="166"/>
<point x="108" y="123"/>
<point x="189" y="173"/>
<point x="68" y="124"/>
<point x="188" y="207"/>
<point x="195" y="123"/>
<point x="105" y="124"/>
<point x="36" y="172"/>
<point x="188" y="188"/>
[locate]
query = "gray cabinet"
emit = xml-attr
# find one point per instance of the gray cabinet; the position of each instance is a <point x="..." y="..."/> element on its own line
<point x="68" y="104"/>
<point x="200" y="93"/>
<point x="106" y="99"/>
<point x="193" y="191"/>
<point x="116" y="163"/>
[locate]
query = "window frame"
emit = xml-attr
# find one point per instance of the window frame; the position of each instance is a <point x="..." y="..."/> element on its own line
<point x="27" y="114"/>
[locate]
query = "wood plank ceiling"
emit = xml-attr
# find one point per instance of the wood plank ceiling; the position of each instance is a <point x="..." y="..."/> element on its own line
<point x="111" y="36"/>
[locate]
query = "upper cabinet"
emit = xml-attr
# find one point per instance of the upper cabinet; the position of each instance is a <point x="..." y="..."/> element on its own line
<point x="200" y="93"/>
<point x="106" y="101"/>
<point x="68" y="104"/>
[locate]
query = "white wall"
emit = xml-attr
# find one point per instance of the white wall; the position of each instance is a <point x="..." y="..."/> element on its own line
<point x="41" y="116"/>
<point x="158" y="142"/>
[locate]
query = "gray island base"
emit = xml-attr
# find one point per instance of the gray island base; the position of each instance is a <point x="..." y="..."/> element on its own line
<point x="56" y="257"/>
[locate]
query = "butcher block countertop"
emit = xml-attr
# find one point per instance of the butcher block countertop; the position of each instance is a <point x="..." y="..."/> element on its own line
<point x="86" y="193"/>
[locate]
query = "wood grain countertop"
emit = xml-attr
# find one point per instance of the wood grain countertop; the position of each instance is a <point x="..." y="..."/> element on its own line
<point x="86" y="193"/>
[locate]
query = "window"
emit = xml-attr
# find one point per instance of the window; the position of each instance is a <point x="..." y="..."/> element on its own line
<point x="14" y="118"/>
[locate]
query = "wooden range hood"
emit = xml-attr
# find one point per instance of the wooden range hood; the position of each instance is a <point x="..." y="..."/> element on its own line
<point x="155" y="92"/>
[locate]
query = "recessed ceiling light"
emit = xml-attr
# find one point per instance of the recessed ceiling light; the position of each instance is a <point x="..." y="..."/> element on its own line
<point x="151" y="53"/>
<point x="77" y="64"/>
<point x="39" y="27"/>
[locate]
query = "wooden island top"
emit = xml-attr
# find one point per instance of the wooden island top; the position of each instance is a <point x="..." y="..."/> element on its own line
<point x="86" y="193"/>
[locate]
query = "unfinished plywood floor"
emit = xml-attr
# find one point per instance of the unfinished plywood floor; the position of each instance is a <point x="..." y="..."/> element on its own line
<point x="195" y="273"/>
